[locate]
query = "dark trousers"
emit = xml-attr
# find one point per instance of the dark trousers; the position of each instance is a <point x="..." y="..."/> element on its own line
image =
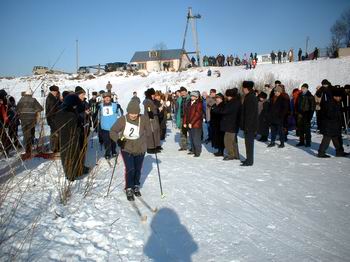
<point x="277" y="129"/>
<point x="325" y="144"/>
<point x="133" y="166"/>
<point x="210" y="131"/>
<point x="183" y="138"/>
<point x="196" y="141"/>
<point x="54" y="139"/>
<point x="249" y="146"/>
<point x="304" y="130"/>
<point x="28" y="129"/>
<point x="110" y="145"/>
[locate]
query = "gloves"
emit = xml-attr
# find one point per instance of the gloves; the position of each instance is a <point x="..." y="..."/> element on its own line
<point x="189" y="126"/>
<point x="150" y="115"/>
<point x="121" y="142"/>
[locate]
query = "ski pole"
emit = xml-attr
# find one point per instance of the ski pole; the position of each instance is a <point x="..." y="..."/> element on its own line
<point x="110" y="182"/>
<point x="154" y="143"/>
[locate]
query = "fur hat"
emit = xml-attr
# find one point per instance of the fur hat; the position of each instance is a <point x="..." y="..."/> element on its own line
<point x="231" y="92"/>
<point x="262" y="95"/>
<point x="79" y="90"/>
<point x="220" y="95"/>
<point x="278" y="89"/>
<point x="248" y="84"/>
<point x="54" y="88"/>
<point x="338" y="92"/>
<point x="325" y="82"/>
<point x="94" y="93"/>
<point x="71" y="100"/>
<point x="195" y="94"/>
<point x="305" y="85"/>
<point x="149" y="92"/>
<point x="133" y="107"/>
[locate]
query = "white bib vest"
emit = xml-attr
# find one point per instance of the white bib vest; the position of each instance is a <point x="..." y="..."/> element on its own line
<point x="131" y="131"/>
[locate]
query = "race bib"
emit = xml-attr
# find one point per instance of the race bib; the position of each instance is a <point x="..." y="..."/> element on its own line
<point x="131" y="131"/>
<point x="107" y="110"/>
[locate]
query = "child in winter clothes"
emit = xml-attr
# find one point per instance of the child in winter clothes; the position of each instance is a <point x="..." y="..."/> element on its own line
<point x="108" y="114"/>
<point x="130" y="132"/>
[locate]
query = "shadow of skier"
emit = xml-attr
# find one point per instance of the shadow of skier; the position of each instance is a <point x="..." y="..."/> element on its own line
<point x="170" y="240"/>
<point x="149" y="166"/>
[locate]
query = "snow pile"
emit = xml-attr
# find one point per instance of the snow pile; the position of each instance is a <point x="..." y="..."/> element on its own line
<point x="290" y="206"/>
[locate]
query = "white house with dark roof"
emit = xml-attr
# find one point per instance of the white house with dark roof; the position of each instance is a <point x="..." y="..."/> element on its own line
<point x="160" y="60"/>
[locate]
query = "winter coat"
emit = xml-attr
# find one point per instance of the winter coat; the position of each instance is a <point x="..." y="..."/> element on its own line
<point x="230" y="116"/>
<point x="27" y="108"/>
<point x="132" y="146"/>
<point x="153" y="139"/>
<point x="70" y="131"/>
<point x="182" y="106"/>
<point x="278" y="110"/>
<point x="51" y="108"/>
<point x="306" y="105"/>
<point x="249" y="115"/>
<point x="194" y="114"/>
<point x="332" y="123"/>
<point x="3" y="115"/>
<point x="217" y="140"/>
<point x="209" y="103"/>
<point x="263" y="125"/>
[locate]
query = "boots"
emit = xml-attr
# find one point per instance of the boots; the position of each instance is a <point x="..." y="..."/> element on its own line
<point x="137" y="192"/>
<point x="129" y="194"/>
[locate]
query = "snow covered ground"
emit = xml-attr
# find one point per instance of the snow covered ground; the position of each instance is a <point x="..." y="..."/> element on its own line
<point x="290" y="206"/>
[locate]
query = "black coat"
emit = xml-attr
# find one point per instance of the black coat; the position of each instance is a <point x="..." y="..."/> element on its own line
<point x="249" y="116"/>
<point x="263" y="128"/>
<point x="51" y="108"/>
<point x="69" y="127"/>
<point x="278" y="110"/>
<point x="231" y="116"/>
<point x="332" y="119"/>
<point x="215" y="125"/>
<point x="306" y="106"/>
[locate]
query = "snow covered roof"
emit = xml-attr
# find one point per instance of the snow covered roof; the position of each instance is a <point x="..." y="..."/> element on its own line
<point x="156" y="55"/>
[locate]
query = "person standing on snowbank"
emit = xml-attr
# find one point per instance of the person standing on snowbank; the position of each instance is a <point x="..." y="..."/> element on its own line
<point x="130" y="133"/>
<point x="51" y="108"/>
<point x="249" y="120"/>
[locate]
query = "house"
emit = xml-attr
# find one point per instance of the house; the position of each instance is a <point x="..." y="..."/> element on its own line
<point x="160" y="60"/>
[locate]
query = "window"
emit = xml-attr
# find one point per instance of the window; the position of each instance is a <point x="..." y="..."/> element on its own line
<point x="142" y="66"/>
<point x="153" y="54"/>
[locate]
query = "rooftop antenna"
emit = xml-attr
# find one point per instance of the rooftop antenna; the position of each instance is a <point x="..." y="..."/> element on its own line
<point x="193" y="20"/>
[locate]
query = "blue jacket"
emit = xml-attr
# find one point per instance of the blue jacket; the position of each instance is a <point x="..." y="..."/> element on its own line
<point x="108" y="115"/>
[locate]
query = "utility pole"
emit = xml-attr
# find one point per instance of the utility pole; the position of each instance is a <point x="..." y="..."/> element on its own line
<point x="77" y="54"/>
<point x="192" y="18"/>
<point x="307" y="44"/>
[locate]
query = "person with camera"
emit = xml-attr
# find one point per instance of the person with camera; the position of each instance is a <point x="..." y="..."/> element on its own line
<point x="130" y="133"/>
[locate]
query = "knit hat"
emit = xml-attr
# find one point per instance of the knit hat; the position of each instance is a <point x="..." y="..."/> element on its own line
<point x="278" y="89"/>
<point x="219" y="95"/>
<point x="106" y="94"/>
<point x="195" y="94"/>
<point x="133" y="107"/>
<point x="71" y="100"/>
<point x="248" y="84"/>
<point x="54" y="88"/>
<point x="231" y="92"/>
<point x="79" y="90"/>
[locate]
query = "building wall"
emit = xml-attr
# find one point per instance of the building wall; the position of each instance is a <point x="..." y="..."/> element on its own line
<point x="344" y="52"/>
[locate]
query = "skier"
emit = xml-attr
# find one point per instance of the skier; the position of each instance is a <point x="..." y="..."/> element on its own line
<point x="51" y="108"/>
<point x="193" y="120"/>
<point x="249" y="120"/>
<point x="108" y="114"/>
<point x="130" y="132"/>
<point x="28" y="109"/>
<point x="305" y="108"/>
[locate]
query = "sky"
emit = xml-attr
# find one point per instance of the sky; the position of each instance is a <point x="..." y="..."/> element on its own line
<point x="41" y="32"/>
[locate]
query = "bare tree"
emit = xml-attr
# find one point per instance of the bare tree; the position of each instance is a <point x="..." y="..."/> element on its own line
<point x="340" y="32"/>
<point x="160" y="47"/>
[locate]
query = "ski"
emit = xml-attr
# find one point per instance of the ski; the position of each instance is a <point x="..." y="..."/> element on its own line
<point x="143" y="218"/>
<point x="153" y="210"/>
